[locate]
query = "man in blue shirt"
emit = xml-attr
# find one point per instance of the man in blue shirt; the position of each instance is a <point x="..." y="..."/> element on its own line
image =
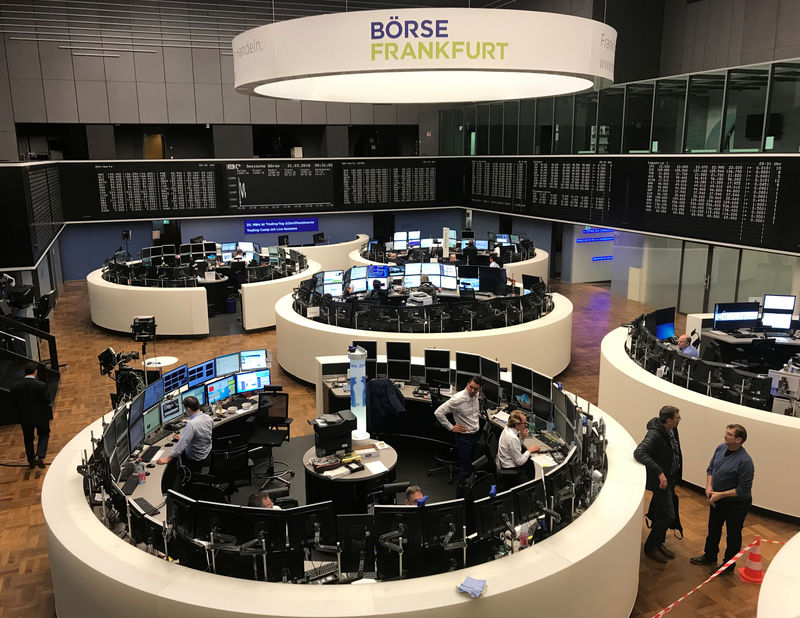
<point x="729" y="480"/>
<point x="194" y="445"/>
<point x="686" y="348"/>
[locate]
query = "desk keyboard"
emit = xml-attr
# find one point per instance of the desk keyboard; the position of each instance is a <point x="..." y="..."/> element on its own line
<point x="327" y="568"/>
<point x="550" y="440"/>
<point x="148" y="508"/>
<point x="149" y="453"/>
<point x="157" y="437"/>
<point x="131" y="484"/>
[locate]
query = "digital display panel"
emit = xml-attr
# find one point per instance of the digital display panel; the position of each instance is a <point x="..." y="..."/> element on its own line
<point x="152" y="419"/>
<point x="413" y="268"/>
<point x="252" y="381"/>
<point x="221" y="389"/>
<point x="175" y="379"/>
<point x="227" y="364"/>
<point x="253" y="359"/>
<point x="279" y="186"/>
<point x="358" y="272"/>
<point x="171" y="409"/>
<point x="153" y="394"/>
<point x="198" y="391"/>
<point x="201" y="373"/>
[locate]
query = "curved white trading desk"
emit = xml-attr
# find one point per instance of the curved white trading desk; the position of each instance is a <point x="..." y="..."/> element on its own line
<point x="634" y="396"/>
<point x="543" y="344"/>
<point x="538" y="265"/>
<point x="780" y="591"/>
<point x="178" y="311"/>
<point x="334" y="256"/>
<point x="258" y="299"/>
<point x="590" y="568"/>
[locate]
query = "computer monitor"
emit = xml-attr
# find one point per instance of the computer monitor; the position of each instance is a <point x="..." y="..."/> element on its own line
<point x="400" y="245"/>
<point x="413" y="268"/>
<point x="198" y="374"/>
<point x="733" y="316"/>
<point x="435" y="280"/>
<point x="529" y="498"/>
<point x="470" y="283"/>
<point x="411" y="281"/>
<point x="311" y="524"/>
<point x="333" y="276"/>
<point x="413" y="235"/>
<point x="502" y="238"/>
<point x="396" y="272"/>
<point x="521" y="398"/>
<point x="426" y="243"/>
<point x="398" y="370"/>
<point x="529" y="281"/>
<point x="665" y="330"/>
<point x="219" y="518"/>
<point x="397" y="521"/>
<point x="468" y="363"/>
<point x="136" y="434"/>
<point x="400" y="236"/>
<point x="136" y="409"/>
<point x="777" y="311"/>
<point x="221" y="388"/>
<point x="109" y="440"/>
<point x="467" y="234"/>
<point x="227" y="364"/>
<point x="245" y="246"/>
<point x="542" y="384"/>
<point x="493" y="515"/>
<point x="171" y="409"/>
<point x="492" y="280"/>
<point x="175" y="379"/>
<point x="251" y="360"/>
<point x="227" y="256"/>
<point x="153" y="393"/>
<point x="198" y="392"/>
<point x="449" y="270"/>
<point x="482" y="245"/>
<point x="398" y="350"/>
<point x="358" y="272"/>
<point x="522" y="377"/>
<point x="252" y="381"/>
<point x="152" y="419"/>
<point x="490" y="370"/>
<point x="123" y="447"/>
<point x="558" y="481"/>
<point x="181" y="512"/>
<point x="776" y="321"/>
<point x="358" y="285"/>
<point x="229" y="246"/>
<point x="356" y="535"/>
<point x="779" y="302"/>
<point x="377" y="271"/>
<point x="513" y="238"/>
<point x="437" y="359"/>
<point x="491" y="392"/>
<point x="334" y="289"/>
<point x="427" y="268"/>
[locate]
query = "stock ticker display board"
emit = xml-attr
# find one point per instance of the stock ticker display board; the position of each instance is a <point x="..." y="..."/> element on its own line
<point x="738" y="200"/>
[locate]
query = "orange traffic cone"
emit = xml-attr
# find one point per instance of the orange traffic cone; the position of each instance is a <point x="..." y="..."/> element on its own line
<point x="751" y="572"/>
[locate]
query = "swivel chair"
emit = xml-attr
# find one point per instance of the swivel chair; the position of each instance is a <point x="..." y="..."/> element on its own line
<point x="506" y="477"/>
<point x="271" y="430"/>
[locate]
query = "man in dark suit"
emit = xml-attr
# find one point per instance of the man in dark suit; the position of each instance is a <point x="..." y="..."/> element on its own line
<point x="32" y="405"/>
<point x="470" y="253"/>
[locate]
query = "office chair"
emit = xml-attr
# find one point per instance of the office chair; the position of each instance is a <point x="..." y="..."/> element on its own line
<point x="272" y="429"/>
<point x="506" y="477"/>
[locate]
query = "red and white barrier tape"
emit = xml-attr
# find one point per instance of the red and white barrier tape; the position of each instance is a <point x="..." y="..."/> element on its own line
<point x="715" y="574"/>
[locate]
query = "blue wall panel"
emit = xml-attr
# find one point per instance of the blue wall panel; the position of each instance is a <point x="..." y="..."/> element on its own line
<point x="84" y="246"/>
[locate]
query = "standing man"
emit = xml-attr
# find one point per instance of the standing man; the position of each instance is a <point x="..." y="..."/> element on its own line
<point x="686" y="348"/>
<point x="194" y="445"/>
<point x="470" y="252"/>
<point x="660" y="452"/>
<point x="465" y="408"/>
<point x="32" y="405"/>
<point x="729" y="480"/>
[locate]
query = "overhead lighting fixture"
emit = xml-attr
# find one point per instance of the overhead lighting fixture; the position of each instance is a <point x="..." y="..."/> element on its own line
<point x="424" y="56"/>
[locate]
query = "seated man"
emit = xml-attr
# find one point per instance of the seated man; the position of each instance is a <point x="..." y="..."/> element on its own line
<point x="262" y="499"/>
<point x="413" y="493"/>
<point x="686" y="348"/>
<point x="427" y="287"/>
<point x="194" y="446"/>
<point x="511" y="454"/>
<point x="378" y="293"/>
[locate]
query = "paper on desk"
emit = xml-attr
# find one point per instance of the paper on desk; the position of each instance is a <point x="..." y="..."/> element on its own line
<point x="502" y="416"/>
<point x="340" y="471"/>
<point x="375" y="467"/>
<point x="543" y="460"/>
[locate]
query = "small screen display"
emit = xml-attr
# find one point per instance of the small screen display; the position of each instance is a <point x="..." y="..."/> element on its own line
<point x="449" y="283"/>
<point x="665" y="331"/>
<point x="778" y="321"/>
<point x="246" y="246"/>
<point x="175" y="379"/>
<point x="482" y="245"/>
<point x="411" y="281"/>
<point x="152" y="419"/>
<point x="197" y="391"/>
<point x="400" y="245"/>
<point x="400" y="236"/>
<point x="413" y="235"/>
<point x="153" y="394"/>
<point x="221" y="389"/>
<point x="227" y="364"/>
<point x="377" y="271"/>
<point x="449" y="270"/>
<point x="334" y="289"/>
<point x="201" y="373"/>
<point x="413" y="268"/>
<point x="779" y="302"/>
<point x="430" y="269"/>
<point x="358" y="285"/>
<point x="253" y="359"/>
<point x="171" y="409"/>
<point x="472" y="283"/>
<point x="333" y="276"/>
<point x="358" y="272"/>
<point x="252" y="381"/>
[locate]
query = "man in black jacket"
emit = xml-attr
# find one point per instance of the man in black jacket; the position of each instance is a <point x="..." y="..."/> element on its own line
<point x="32" y="406"/>
<point x="660" y="452"/>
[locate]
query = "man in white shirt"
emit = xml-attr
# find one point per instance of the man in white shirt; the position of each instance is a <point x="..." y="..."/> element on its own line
<point x="465" y="408"/>
<point x="511" y="452"/>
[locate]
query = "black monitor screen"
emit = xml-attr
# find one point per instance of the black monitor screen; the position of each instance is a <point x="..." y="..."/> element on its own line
<point x="437" y="359"/>
<point x="153" y="394"/>
<point x="733" y="316"/>
<point x="492" y="393"/>
<point x="304" y="522"/>
<point x="109" y="440"/>
<point x="136" y="409"/>
<point x="356" y="536"/>
<point x="660" y="317"/>
<point x="181" y="512"/>
<point x="493" y="280"/>
<point x="542" y="408"/>
<point x="136" y="434"/>
<point x="393" y="519"/>
<point x="522" y="377"/>
<point x="398" y="370"/>
<point x="444" y="520"/>
<point x="371" y="347"/>
<point x="528" y="281"/>
<point x="468" y="363"/>
<point x="493" y="515"/>
<point x="490" y="370"/>
<point x="530" y="498"/>
<point x="542" y="385"/>
<point x="175" y="379"/>
<point x="219" y="517"/>
<point x="462" y="379"/>
<point x="201" y="373"/>
<point x="123" y="447"/>
<point x="439" y="378"/>
<point x="120" y="423"/>
<point x="113" y="466"/>
<point x="398" y="350"/>
<point x="467" y="272"/>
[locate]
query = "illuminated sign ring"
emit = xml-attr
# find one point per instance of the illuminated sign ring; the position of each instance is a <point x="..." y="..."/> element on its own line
<point x="424" y="56"/>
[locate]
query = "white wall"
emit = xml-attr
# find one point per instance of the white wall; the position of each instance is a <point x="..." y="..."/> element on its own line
<point x="576" y="258"/>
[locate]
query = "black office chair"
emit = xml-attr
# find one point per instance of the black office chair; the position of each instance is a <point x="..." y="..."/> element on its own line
<point x="271" y="430"/>
<point x="230" y="466"/>
<point x="506" y="477"/>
